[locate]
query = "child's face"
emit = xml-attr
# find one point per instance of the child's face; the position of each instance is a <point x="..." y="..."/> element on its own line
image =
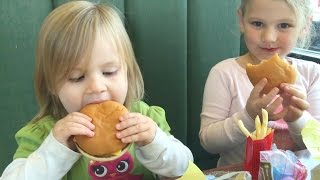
<point x="101" y="77"/>
<point x="269" y="27"/>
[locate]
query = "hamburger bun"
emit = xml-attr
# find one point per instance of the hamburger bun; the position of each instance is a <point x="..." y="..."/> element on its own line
<point x="276" y="71"/>
<point x="104" y="143"/>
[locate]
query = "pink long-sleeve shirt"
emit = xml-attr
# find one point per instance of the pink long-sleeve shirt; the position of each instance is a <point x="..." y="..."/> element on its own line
<point x="225" y="95"/>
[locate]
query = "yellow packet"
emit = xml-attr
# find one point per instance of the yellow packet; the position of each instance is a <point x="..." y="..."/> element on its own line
<point x="192" y="173"/>
<point x="311" y="138"/>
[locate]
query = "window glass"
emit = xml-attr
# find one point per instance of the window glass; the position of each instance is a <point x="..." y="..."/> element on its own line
<point x="315" y="45"/>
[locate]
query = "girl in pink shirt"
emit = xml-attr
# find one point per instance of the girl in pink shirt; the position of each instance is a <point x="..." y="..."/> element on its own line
<point x="268" y="27"/>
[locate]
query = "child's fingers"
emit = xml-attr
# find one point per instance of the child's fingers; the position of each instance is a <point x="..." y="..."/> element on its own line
<point x="78" y="117"/>
<point x="256" y="91"/>
<point x="74" y="119"/>
<point x="63" y="129"/>
<point x="75" y="128"/>
<point x="279" y="115"/>
<point x="299" y="103"/>
<point x="128" y="116"/>
<point x="73" y="124"/>
<point x="136" y="129"/>
<point x="293" y="91"/>
<point x="295" y="113"/>
<point x="274" y="105"/>
<point x="85" y="122"/>
<point x="141" y="133"/>
<point x="129" y="120"/>
<point x="257" y="101"/>
<point x="271" y="95"/>
<point x="140" y="138"/>
<point x="79" y="129"/>
<point x="78" y="114"/>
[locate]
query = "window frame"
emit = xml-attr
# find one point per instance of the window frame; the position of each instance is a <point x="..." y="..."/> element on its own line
<point x="305" y="54"/>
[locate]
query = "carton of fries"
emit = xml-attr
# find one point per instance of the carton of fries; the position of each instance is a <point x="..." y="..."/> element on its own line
<point x="259" y="140"/>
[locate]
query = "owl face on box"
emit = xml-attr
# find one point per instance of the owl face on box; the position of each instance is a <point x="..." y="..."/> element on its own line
<point x="117" y="169"/>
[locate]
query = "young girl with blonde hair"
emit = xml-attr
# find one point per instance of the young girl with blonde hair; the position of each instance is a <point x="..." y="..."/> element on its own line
<point x="269" y="27"/>
<point x="85" y="56"/>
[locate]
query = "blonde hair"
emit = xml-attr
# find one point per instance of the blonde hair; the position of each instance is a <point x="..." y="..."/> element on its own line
<point x="65" y="36"/>
<point x="303" y="12"/>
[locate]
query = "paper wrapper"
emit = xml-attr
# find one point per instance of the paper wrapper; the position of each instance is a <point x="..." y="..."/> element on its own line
<point x="252" y="156"/>
<point x="282" y="165"/>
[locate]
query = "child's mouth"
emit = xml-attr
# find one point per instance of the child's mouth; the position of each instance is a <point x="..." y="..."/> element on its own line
<point x="270" y="49"/>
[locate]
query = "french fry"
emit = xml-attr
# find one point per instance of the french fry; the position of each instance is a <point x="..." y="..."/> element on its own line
<point x="254" y="135"/>
<point x="262" y="129"/>
<point x="269" y="131"/>
<point x="258" y="127"/>
<point x="264" y="124"/>
<point x="244" y="129"/>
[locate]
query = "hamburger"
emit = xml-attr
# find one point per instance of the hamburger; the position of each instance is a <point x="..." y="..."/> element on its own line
<point x="104" y="145"/>
<point x="276" y="70"/>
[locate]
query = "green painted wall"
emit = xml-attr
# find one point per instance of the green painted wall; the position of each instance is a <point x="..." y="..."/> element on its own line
<point x="159" y="34"/>
<point x="20" y="23"/>
<point x="176" y="43"/>
<point x="213" y="35"/>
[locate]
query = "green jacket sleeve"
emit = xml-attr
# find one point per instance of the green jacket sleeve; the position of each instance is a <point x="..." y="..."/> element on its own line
<point x="30" y="137"/>
<point x="156" y="113"/>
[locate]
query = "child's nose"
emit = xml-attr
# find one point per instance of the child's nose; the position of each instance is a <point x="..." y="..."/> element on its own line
<point x="269" y="35"/>
<point x="96" y="85"/>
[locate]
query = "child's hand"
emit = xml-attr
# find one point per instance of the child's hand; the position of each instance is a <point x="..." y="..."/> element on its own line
<point x="74" y="123"/>
<point x="294" y="103"/>
<point x="258" y="101"/>
<point x="135" y="127"/>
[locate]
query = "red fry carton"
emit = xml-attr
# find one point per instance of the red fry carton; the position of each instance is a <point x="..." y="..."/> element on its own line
<point x="252" y="156"/>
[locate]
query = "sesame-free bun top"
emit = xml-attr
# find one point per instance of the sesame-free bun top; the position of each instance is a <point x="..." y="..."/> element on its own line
<point x="276" y="71"/>
<point x="104" y="116"/>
